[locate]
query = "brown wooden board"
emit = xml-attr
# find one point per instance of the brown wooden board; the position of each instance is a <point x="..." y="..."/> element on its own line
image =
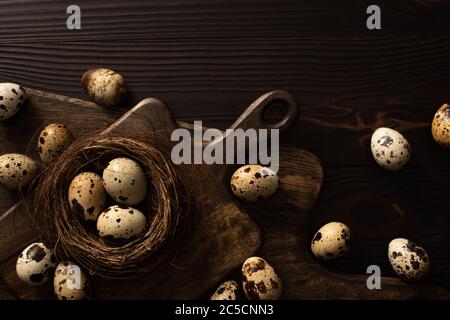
<point x="221" y="241"/>
<point x="212" y="249"/>
<point x="5" y="292"/>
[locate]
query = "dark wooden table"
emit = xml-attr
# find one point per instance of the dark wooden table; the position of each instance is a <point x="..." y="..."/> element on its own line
<point x="208" y="59"/>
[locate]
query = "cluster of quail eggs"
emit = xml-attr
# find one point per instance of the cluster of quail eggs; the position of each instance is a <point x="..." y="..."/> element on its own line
<point x="37" y="264"/>
<point x="409" y="260"/>
<point x="17" y="171"/>
<point x="252" y="183"/>
<point x="123" y="179"/>
<point x="392" y="151"/>
<point x="125" y="182"/>
<point x="259" y="282"/>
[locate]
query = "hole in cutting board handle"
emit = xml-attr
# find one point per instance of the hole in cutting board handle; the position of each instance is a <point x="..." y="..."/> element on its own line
<point x="279" y="110"/>
<point x="253" y="116"/>
<point x="275" y="113"/>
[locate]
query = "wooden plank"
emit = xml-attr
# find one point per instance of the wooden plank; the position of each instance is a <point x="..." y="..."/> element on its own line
<point x="208" y="60"/>
<point x="5" y="292"/>
<point x="26" y="21"/>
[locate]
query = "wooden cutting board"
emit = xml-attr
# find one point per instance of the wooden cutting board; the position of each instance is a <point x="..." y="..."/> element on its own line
<point x="224" y="235"/>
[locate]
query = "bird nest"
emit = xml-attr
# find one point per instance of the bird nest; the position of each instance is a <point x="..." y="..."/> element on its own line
<point x="167" y="203"/>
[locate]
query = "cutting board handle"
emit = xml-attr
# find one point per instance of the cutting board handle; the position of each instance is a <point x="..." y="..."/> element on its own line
<point x="253" y="115"/>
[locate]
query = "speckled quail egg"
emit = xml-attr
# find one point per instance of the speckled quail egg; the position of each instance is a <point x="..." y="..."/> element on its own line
<point x="409" y="260"/>
<point x="17" y="171"/>
<point x="331" y="241"/>
<point x="259" y="280"/>
<point x="35" y="264"/>
<point x="12" y="97"/>
<point x="53" y="140"/>
<point x="71" y="282"/>
<point x="105" y="86"/>
<point x="254" y="182"/>
<point x="120" y="223"/>
<point x="390" y="149"/>
<point x="87" y="196"/>
<point x="440" y="127"/>
<point x="229" y="290"/>
<point x="125" y="181"/>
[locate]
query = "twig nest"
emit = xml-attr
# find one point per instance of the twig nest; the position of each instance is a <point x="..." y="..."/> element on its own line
<point x="17" y="171"/>
<point x="125" y="181"/>
<point x="12" y="97"/>
<point x="440" y="127"/>
<point x="53" y="140"/>
<point x="87" y="196"/>
<point x="120" y="223"/>
<point x="71" y="282"/>
<point x="105" y="86"/>
<point x="148" y="231"/>
<point x="331" y="241"/>
<point x="35" y="264"/>
<point x="409" y="260"/>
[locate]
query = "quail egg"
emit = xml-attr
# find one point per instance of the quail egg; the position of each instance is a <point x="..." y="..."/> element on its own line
<point x="120" y="223"/>
<point x="105" y="86"/>
<point x="440" y="127"/>
<point x="259" y="280"/>
<point x="35" y="264"/>
<point x="125" y="181"/>
<point x="331" y="241"/>
<point x="53" y="140"/>
<point x="70" y="282"/>
<point x="87" y="196"/>
<point x="254" y="182"/>
<point x="229" y="290"/>
<point x="409" y="260"/>
<point x="12" y="97"/>
<point x="17" y="171"/>
<point x="390" y="149"/>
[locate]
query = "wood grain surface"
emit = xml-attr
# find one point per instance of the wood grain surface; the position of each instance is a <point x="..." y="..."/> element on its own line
<point x="207" y="59"/>
<point x="223" y="234"/>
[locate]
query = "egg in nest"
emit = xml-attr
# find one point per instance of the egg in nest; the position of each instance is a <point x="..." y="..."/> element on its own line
<point x="87" y="196"/>
<point x="120" y="223"/>
<point x="125" y="181"/>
